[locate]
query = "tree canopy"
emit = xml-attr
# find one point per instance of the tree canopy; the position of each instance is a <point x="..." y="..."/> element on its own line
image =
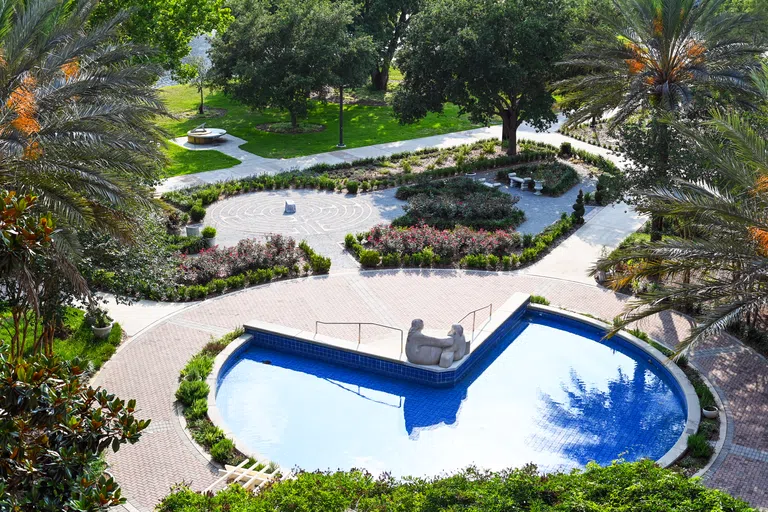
<point x="386" y="21"/>
<point x="166" y="26"/>
<point x="276" y="53"/>
<point x="490" y="58"/>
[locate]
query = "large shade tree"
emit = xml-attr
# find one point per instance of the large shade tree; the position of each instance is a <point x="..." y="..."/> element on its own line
<point x="386" y="22"/>
<point x="657" y="58"/>
<point x="275" y="54"/>
<point x="76" y="114"/>
<point x="488" y="57"/>
<point x="723" y="267"/>
<point x="167" y="26"/>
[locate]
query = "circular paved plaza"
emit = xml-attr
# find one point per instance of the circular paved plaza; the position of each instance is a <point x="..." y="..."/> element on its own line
<point x="321" y="218"/>
<point x="147" y="367"/>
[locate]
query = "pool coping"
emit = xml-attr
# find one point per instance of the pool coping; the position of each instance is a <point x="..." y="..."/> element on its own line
<point x="670" y="457"/>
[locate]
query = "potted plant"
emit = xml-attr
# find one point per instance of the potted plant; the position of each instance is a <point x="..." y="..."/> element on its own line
<point x="710" y="411"/>
<point x="101" y="323"/>
<point x="209" y="235"/>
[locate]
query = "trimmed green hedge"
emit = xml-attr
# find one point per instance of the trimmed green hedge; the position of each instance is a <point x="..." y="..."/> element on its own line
<point x="620" y="487"/>
<point x="318" y="177"/>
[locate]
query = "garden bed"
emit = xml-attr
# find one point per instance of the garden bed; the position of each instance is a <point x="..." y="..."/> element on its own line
<point x="157" y="268"/>
<point x="73" y="338"/>
<point x="446" y="203"/>
<point x="557" y="177"/>
<point x="462" y="247"/>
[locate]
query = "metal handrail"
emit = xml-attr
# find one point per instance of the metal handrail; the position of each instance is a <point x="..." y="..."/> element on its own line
<point x="360" y="329"/>
<point x="474" y="316"/>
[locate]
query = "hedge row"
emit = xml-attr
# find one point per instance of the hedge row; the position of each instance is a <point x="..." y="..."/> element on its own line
<point x="638" y="486"/>
<point x="317" y="176"/>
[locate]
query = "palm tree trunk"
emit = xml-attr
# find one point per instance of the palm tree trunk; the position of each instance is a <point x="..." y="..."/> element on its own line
<point x="662" y="142"/>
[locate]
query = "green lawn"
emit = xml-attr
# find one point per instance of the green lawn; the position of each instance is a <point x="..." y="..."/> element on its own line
<point x="363" y="126"/>
<point x="80" y="341"/>
<point x="184" y="161"/>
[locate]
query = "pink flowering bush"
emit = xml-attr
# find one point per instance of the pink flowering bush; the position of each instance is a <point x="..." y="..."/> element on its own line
<point x="449" y="244"/>
<point x="249" y="254"/>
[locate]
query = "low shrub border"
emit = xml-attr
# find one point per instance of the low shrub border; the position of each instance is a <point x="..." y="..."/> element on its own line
<point x="318" y="177"/>
<point x="318" y="264"/>
<point x="626" y="486"/>
<point x="192" y="395"/>
<point x="533" y="249"/>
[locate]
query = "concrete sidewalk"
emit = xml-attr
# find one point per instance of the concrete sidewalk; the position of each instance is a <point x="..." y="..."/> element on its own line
<point x="254" y="165"/>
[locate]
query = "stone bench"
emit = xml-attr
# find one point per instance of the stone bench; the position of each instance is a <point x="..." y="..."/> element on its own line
<point x="523" y="182"/>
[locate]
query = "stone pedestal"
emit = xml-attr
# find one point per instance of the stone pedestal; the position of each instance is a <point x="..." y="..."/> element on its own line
<point x="290" y="206"/>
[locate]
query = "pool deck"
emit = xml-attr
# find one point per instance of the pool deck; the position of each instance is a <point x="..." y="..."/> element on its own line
<point x="147" y="366"/>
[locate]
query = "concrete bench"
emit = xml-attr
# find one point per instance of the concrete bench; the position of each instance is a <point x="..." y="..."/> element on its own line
<point x="521" y="181"/>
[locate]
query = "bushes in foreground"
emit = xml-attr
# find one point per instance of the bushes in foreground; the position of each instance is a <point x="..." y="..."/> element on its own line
<point x="639" y="486"/>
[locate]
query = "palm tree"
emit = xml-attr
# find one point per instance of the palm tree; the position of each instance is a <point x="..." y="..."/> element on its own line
<point x="76" y="114"/>
<point x="724" y="268"/>
<point x="656" y="57"/>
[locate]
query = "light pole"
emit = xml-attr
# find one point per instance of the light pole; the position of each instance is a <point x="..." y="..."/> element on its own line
<point x="341" y="118"/>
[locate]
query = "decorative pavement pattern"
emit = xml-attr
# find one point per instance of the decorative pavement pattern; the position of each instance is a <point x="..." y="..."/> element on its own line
<point x="147" y="367"/>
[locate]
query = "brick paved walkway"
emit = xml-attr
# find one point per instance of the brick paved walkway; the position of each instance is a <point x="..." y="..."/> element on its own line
<point x="146" y="368"/>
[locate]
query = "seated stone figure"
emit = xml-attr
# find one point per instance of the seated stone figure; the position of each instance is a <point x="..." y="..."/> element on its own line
<point x="423" y="349"/>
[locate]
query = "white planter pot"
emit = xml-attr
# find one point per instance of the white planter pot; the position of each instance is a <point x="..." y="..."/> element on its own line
<point x="194" y="229"/>
<point x="210" y="242"/>
<point x="710" y="413"/>
<point x="538" y="186"/>
<point x="600" y="276"/>
<point x="102" y="332"/>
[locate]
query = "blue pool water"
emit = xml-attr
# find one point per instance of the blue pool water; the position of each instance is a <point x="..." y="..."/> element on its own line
<point x="550" y="393"/>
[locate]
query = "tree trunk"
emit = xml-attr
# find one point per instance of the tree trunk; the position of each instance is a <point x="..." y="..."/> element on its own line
<point x="662" y="142"/>
<point x="341" y="116"/>
<point x="201" y="110"/>
<point x="509" y="129"/>
<point x="380" y="78"/>
<point x="294" y="120"/>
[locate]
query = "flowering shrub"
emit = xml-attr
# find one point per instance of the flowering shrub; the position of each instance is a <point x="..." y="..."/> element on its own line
<point x="448" y="244"/>
<point x="216" y="263"/>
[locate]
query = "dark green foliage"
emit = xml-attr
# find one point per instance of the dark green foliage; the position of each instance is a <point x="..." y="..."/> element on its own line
<point x="538" y="299"/>
<point x="319" y="264"/>
<point x="565" y="149"/>
<point x="369" y="258"/>
<point x="636" y="487"/>
<point x="444" y="204"/>
<point x="54" y="430"/>
<point x="209" y="232"/>
<point x="352" y="186"/>
<point x="191" y="390"/>
<point x="491" y="58"/>
<point x="699" y="447"/>
<point x="349" y="240"/>
<point x="578" y="208"/>
<point x="197" y="410"/>
<point x="193" y="394"/>
<point x="197" y="213"/>
<point x="706" y="398"/>
<point x="223" y="450"/>
<point x="276" y="54"/>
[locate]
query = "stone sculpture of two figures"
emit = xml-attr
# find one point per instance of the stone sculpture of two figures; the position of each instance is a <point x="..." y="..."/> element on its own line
<point x="423" y="349"/>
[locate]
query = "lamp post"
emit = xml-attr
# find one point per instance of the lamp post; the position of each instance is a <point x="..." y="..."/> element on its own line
<point x="341" y="118"/>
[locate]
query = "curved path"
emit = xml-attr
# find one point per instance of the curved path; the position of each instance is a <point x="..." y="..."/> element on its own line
<point x="146" y="368"/>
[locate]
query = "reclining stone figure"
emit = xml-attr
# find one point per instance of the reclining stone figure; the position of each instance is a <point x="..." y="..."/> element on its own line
<point x="423" y="349"/>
